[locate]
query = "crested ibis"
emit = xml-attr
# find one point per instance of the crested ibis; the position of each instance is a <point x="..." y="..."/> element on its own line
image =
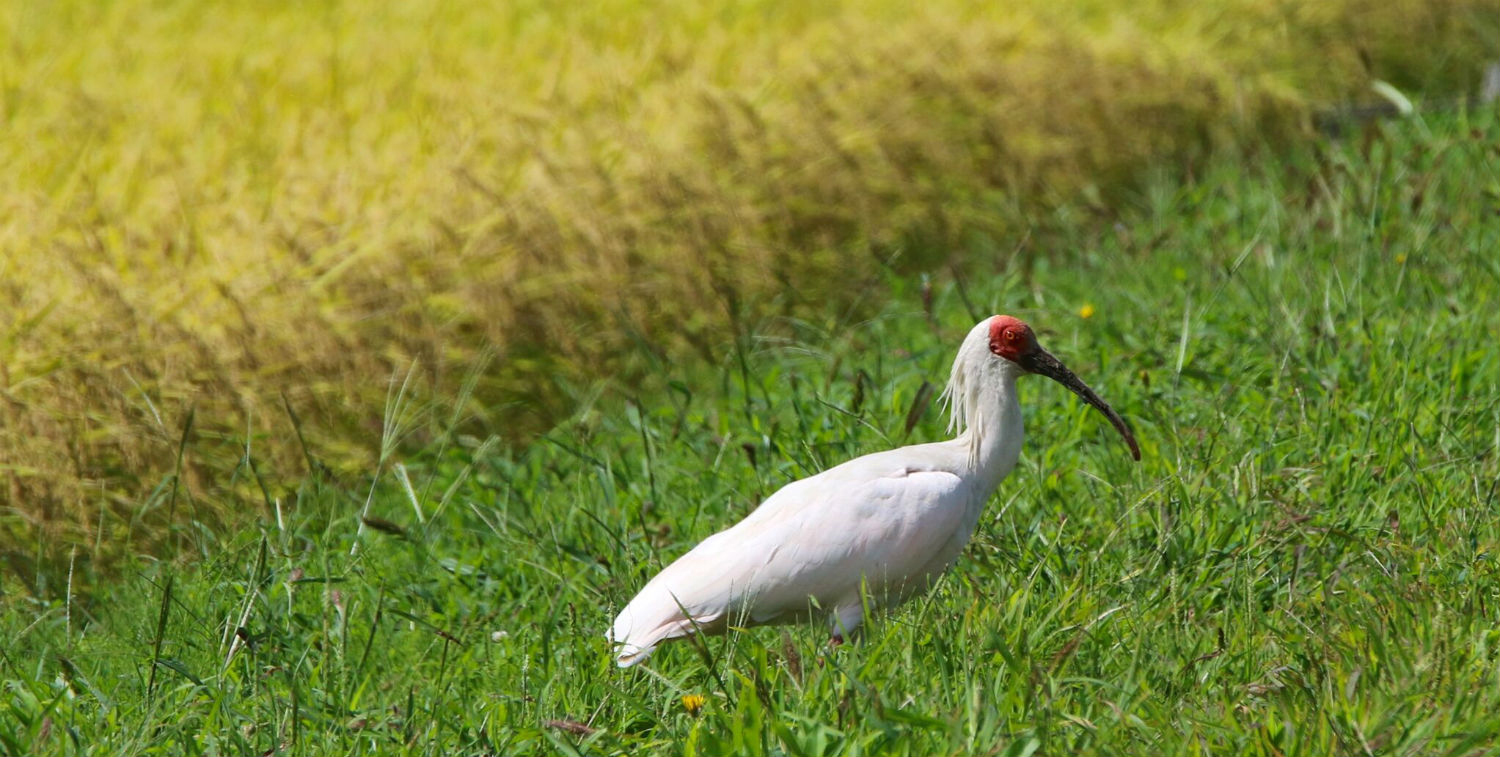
<point x="869" y="533"/>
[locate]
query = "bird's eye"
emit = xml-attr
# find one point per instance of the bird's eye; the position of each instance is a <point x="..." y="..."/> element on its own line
<point x="1012" y="335"/>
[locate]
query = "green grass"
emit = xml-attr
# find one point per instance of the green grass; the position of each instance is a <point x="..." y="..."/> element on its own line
<point x="1303" y="563"/>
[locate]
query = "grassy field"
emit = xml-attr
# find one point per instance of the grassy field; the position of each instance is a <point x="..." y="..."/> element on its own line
<point x="251" y="214"/>
<point x="1303" y="563"/>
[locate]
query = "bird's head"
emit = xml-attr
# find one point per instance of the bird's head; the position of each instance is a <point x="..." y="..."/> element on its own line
<point x="1012" y="340"/>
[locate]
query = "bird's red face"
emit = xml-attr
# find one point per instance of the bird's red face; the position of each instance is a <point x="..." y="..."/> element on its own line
<point x="1013" y="340"/>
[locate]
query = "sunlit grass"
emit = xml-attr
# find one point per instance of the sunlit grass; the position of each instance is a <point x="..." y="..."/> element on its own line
<point x="257" y="213"/>
<point x="1303" y="562"/>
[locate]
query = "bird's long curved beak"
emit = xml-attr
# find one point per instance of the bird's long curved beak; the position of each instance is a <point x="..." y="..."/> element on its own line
<point x="1042" y="362"/>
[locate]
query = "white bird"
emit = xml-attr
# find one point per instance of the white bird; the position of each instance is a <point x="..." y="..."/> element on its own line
<point x="869" y="533"/>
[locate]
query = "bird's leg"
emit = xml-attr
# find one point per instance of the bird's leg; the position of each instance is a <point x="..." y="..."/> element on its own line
<point x="846" y="622"/>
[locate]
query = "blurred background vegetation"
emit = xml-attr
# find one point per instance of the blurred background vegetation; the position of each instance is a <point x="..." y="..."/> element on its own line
<point x="232" y="234"/>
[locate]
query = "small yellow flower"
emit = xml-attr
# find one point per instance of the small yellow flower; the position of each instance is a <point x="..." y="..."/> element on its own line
<point x="1401" y="259"/>
<point x="1087" y="311"/>
<point x="693" y="703"/>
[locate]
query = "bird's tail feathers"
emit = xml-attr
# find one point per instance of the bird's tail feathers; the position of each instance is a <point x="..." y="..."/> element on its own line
<point x="633" y="646"/>
<point x="635" y="642"/>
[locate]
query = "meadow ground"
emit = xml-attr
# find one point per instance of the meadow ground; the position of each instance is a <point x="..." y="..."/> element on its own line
<point x="1303" y="563"/>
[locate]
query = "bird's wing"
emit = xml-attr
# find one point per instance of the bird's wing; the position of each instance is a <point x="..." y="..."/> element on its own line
<point x="873" y="535"/>
<point x="818" y="538"/>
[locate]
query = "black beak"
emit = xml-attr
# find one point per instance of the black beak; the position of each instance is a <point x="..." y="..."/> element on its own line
<point x="1041" y="361"/>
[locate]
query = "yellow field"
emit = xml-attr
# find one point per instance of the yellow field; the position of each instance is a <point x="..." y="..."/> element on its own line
<point x="221" y="205"/>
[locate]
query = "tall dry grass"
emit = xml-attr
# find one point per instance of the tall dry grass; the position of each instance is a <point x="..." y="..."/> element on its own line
<point x="255" y="212"/>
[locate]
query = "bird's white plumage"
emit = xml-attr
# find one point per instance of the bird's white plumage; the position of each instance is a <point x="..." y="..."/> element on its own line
<point x="870" y="532"/>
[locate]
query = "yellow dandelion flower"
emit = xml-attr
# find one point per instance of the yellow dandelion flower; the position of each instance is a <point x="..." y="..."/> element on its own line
<point x="1087" y="311"/>
<point x="1401" y="259"/>
<point x="693" y="703"/>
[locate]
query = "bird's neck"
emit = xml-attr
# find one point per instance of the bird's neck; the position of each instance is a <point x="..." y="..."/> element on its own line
<point x="994" y="430"/>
